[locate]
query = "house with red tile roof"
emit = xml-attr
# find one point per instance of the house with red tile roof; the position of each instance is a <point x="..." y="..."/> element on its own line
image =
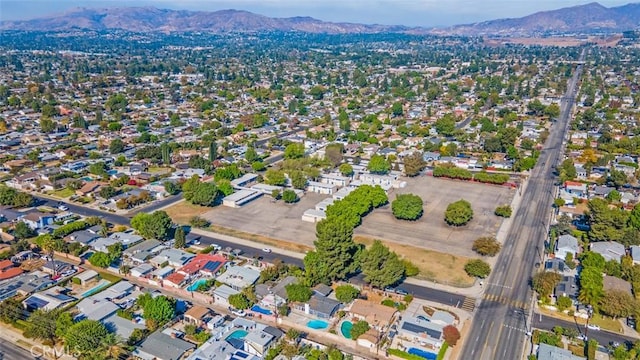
<point x="176" y="280"/>
<point x="204" y="264"/>
<point x="7" y="270"/>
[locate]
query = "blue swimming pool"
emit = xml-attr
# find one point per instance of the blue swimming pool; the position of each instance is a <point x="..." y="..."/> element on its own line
<point x="101" y="285"/>
<point x="196" y="284"/>
<point x="318" y="324"/>
<point x="425" y="354"/>
<point x="238" y="334"/>
<point x="345" y="329"/>
<point x="258" y="309"/>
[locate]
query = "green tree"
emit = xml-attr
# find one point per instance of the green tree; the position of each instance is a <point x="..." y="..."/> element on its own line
<point x="413" y="164"/>
<point x="333" y="153"/>
<point x="159" y="309"/>
<point x="251" y="154"/>
<point x="180" y="238"/>
<point x="563" y="303"/>
<point x="152" y="226"/>
<point x="458" y="213"/>
<point x="100" y="259"/>
<point x="213" y="151"/>
<point x="298" y="292"/>
<point x="617" y="178"/>
<point x="591" y="286"/>
<point x="346" y="169"/>
<point x="634" y="217"/>
<point x="378" y="165"/>
<point x="380" y="266"/>
<point x="23" y="231"/>
<point x="239" y="301"/>
<point x="358" y="329"/>
<point x="618" y="303"/>
<point x="64" y="322"/>
<point x="614" y="196"/>
<point x="396" y="109"/>
<point x="336" y="249"/>
<point x="298" y="180"/>
<point x="171" y="188"/>
<point x="11" y="310"/>
<point x="477" y="268"/>
<point x="592" y="260"/>
<point x="289" y="196"/>
<point x="552" y="111"/>
<point x="486" y="246"/>
<point x="407" y="207"/>
<point x="275" y="177"/>
<point x="294" y="151"/>
<point x="85" y="336"/>
<point x="107" y="192"/>
<point x="544" y="283"/>
<point x="446" y="125"/>
<point x="116" y="146"/>
<point x="567" y="170"/>
<point x="346" y="293"/>
<point x="42" y="325"/>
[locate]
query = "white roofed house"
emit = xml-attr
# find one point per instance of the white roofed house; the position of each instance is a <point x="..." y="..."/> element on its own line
<point x="239" y="277"/>
<point x="566" y="244"/>
<point x="610" y="250"/>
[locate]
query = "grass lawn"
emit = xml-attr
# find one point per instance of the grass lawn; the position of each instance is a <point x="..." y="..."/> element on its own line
<point x="282" y="244"/>
<point x="434" y="266"/>
<point x="158" y="169"/>
<point x="62" y="193"/>
<point x="109" y="277"/>
<point x="182" y="212"/>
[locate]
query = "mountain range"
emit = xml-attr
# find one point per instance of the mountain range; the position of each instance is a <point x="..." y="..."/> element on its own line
<point x="583" y="18"/>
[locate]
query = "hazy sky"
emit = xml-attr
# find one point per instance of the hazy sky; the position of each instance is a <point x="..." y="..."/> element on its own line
<point x="400" y="12"/>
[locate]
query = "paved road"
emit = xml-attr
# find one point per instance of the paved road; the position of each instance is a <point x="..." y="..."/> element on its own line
<point x="604" y="338"/>
<point x="157" y="205"/>
<point x="11" y="351"/>
<point x="500" y="326"/>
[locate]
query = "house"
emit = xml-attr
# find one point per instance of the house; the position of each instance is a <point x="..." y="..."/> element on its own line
<point x="221" y="295"/>
<point x="556" y="264"/>
<point x="94" y="309"/>
<point x="87" y="276"/>
<point x="566" y="244"/>
<point x="375" y="314"/>
<point x="634" y="251"/>
<point x="241" y="197"/>
<point x="239" y="277"/>
<point x="142" y="270"/>
<point x="197" y="315"/>
<point x="610" y="250"/>
<point x="421" y="331"/>
<point x="321" y="188"/>
<point x="320" y="306"/>
<point x="278" y="294"/>
<point x="576" y="189"/>
<point x="51" y="299"/>
<point x="8" y="271"/>
<point x="429" y="156"/>
<point x="174" y="257"/>
<point x="38" y="220"/>
<point x="83" y="237"/>
<point x="258" y="342"/>
<point x="369" y="340"/>
<point x="613" y="283"/>
<point x="176" y="280"/>
<point x="336" y="180"/>
<point x="127" y="239"/>
<point x="567" y="287"/>
<point x="88" y="188"/>
<point x="548" y="352"/>
<point x="205" y="264"/>
<point x="160" y="346"/>
<point x="121" y="326"/>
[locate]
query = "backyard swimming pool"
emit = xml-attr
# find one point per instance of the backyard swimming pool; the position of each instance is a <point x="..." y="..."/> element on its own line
<point x="238" y="334"/>
<point x="425" y="354"/>
<point x="101" y="285"/>
<point x="260" y="310"/>
<point x="318" y="324"/>
<point x="345" y="329"/>
<point x="196" y="284"/>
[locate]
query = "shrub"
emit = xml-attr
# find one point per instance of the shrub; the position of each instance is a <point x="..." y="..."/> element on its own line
<point x="346" y="293"/>
<point x="451" y="335"/>
<point x="477" y="268"/>
<point x="486" y="246"/>
<point x="76" y="281"/>
<point x="503" y="211"/>
<point x="199" y="222"/>
<point x="458" y="213"/>
<point x="359" y="328"/>
<point x="407" y="207"/>
<point x="289" y="196"/>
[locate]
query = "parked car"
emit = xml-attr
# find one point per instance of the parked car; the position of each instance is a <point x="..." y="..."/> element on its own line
<point x="63" y="207"/>
<point x="593" y="327"/>
<point x="582" y="337"/>
<point x="267" y="250"/>
<point x="236" y="252"/>
<point x="239" y="313"/>
<point x="401" y="291"/>
<point x="631" y="322"/>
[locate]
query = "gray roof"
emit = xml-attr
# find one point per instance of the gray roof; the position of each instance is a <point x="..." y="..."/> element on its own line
<point x="143" y="246"/>
<point x="94" y="309"/>
<point x="418" y="327"/>
<point x="567" y="287"/>
<point x="634" y="250"/>
<point x="610" y="250"/>
<point x="280" y="288"/>
<point x="259" y="338"/>
<point x="548" y="352"/>
<point x="121" y="326"/>
<point x="323" y="289"/>
<point x="163" y="346"/>
<point x="568" y="242"/>
<point x="83" y="236"/>
<point x="323" y="305"/>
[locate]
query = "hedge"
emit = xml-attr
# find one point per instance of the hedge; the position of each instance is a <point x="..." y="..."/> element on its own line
<point x="452" y="172"/>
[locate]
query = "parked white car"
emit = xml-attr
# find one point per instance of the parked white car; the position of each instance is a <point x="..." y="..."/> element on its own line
<point x="593" y="327"/>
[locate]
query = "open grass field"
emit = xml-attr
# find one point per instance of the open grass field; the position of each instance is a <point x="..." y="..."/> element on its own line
<point x="430" y="231"/>
<point x="434" y="266"/>
<point x="182" y="212"/>
<point x="62" y="193"/>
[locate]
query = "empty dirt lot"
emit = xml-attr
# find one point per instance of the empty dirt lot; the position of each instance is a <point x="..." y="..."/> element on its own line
<point x="430" y="231"/>
<point x="273" y="219"/>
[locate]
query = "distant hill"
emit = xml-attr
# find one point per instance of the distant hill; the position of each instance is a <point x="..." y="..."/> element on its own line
<point x="583" y="18"/>
<point x="146" y="19"/>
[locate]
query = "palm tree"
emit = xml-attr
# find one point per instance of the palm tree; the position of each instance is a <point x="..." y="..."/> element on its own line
<point x="48" y="245"/>
<point x="110" y="347"/>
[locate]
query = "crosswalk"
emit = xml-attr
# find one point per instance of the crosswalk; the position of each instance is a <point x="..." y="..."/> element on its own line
<point x="469" y="304"/>
<point x="515" y="328"/>
<point x="506" y="301"/>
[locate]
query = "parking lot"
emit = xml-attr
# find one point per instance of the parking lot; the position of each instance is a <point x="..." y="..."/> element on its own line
<point x="265" y="217"/>
<point x="430" y="231"/>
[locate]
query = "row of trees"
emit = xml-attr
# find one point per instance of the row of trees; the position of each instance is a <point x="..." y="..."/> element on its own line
<point x="156" y="225"/>
<point x="12" y="197"/>
<point x="357" y="204"/>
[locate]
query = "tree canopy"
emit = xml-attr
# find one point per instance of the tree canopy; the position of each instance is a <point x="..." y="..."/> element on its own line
<point x="407" y="207"/>
<point x="380" y="266"/>
<point x="458" y="213"/>
<point x="152" y="226"/>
